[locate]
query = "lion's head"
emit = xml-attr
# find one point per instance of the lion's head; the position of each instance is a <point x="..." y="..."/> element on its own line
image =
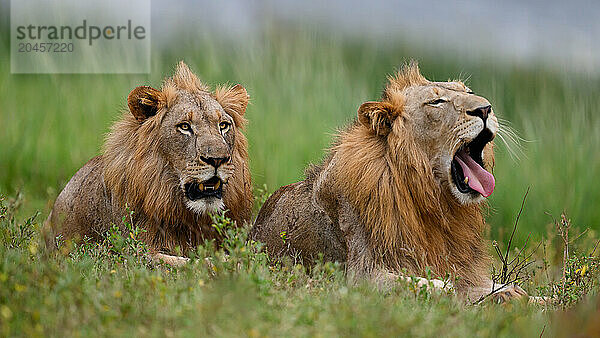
<point x="450" y="124"/>
<point x="180" y="150"/>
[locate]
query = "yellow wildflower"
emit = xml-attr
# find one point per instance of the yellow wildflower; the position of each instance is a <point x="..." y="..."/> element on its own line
<point x="33" y="248"/>
<point x="5" y="311"/>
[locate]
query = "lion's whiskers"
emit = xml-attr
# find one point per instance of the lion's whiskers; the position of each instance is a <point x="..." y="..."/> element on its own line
<point x="511" y="140"/>
<point x="511" y="152"/>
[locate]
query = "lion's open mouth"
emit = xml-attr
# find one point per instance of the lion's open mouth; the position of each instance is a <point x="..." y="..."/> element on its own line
<point x="468" y="172"/>
<point x="210" y="188"/>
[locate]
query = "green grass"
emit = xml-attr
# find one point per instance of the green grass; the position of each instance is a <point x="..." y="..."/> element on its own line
<point x="112" y="289"/>
<point x="303" y="86"/>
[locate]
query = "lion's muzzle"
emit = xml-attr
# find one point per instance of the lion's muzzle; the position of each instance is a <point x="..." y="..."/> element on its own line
<point x="215" y="161"/>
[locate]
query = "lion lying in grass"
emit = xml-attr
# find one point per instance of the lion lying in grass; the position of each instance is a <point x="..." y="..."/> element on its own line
<point x="176" y="156"/>
<point x="399" y="192"/>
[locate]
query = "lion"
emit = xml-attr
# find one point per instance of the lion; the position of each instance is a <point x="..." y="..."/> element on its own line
<point x="174" y="158"/>
<point x="399" y="193"/>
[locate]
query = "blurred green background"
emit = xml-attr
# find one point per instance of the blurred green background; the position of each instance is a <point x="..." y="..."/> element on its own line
<point x="305" y="84"/>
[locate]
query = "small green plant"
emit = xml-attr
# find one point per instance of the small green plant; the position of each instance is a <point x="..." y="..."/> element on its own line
<point x="580" y="271"/>
<point x="128" y="243"/>
<point x="236" y="253"/>
<point x="13" y="233"/>
<point x="222" y="224"/>
<point x="119" y="244"/>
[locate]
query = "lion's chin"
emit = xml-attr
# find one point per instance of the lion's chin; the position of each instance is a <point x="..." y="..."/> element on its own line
<point x="206" y="205"/>
<point x="465" y="198"/>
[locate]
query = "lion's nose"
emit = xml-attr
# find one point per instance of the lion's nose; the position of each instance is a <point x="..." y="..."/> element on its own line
<point x="482" y="112"/>
<point x="215" y="161"/>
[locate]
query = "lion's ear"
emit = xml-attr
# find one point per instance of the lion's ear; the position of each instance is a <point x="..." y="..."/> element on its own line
<point x="377" y="116"/>
<point x="234" y="101"/>
<point x="143" y="102"/>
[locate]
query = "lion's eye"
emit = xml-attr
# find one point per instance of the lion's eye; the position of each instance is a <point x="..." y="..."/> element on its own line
<point x="185" y="128"/>
<point x="224" y="127"/>
<point x="437" y="102"/>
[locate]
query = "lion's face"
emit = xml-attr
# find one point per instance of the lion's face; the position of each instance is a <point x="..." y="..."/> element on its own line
<point x="447" y="122"/>
<point x="195" y="134"/>
<point x="455" y="128"/>
<point x="197" y="137"/>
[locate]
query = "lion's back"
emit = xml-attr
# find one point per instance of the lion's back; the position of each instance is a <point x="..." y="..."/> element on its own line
<point x="290" y="224"/>
<point x="83" y="207"/>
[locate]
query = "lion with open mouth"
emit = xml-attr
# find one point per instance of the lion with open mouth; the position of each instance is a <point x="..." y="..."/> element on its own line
<point x="399" y="193"/>
<point x="174" y="158"/>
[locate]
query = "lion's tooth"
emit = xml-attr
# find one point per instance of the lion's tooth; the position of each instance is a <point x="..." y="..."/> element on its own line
<point x="467" y="180"/>
<point x="201" y="186"/>
<point x="217" y="185"/>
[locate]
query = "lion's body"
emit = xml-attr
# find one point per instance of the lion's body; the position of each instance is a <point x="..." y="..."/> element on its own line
<point x="143" y="170"/>
<point x="88" y="202"/>
<point x="381" y="201"/>
<point x="298" y="236"/>
<point x="318" y="215"/>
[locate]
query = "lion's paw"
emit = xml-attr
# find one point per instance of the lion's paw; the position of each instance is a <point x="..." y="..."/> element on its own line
<point x="434" y="284"/>
<point x="540" y="300"/>
<point x="508" y="292"/>
<point x="176" y="261"/>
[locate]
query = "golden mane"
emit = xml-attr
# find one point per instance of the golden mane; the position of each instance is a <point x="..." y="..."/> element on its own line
<point x="139" y="176"/>
<point x="390" y="183"/>
<point x="407" y="76"/>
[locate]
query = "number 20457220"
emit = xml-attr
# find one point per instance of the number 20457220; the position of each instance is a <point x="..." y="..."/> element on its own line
<point x="45" y="47"/>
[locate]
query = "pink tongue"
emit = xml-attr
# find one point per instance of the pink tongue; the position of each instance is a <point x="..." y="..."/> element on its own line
<point x="479" y="179"/>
